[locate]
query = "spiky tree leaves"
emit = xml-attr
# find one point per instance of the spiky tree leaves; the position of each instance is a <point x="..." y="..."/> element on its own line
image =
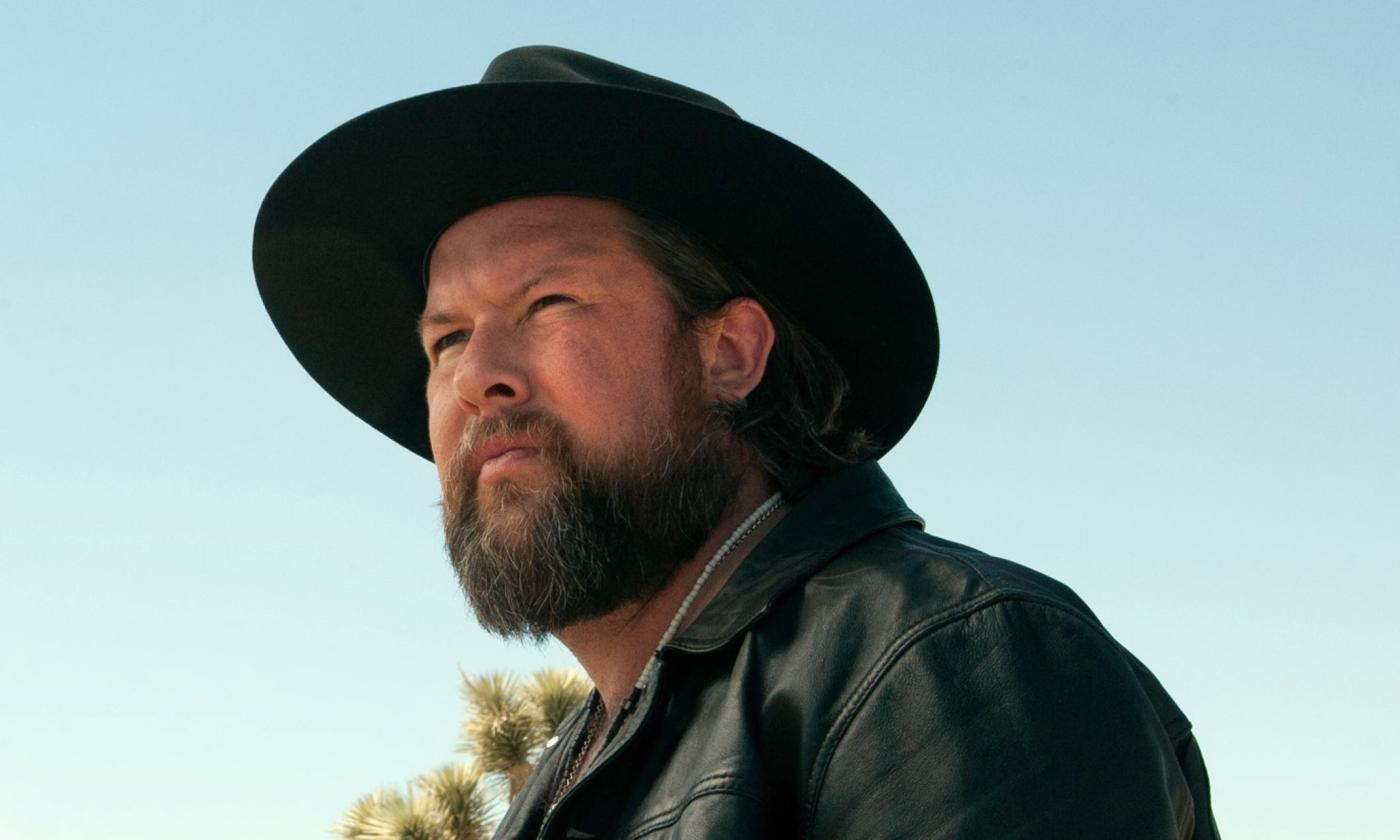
<point x="363" y="816"/>
<point x="501" y="729"/>
<point x="389" y="814"/>
<point x="460" y="795"/>
<point x="508" y="721"/>
<point x="552" y="694"/>
<point x="406" y="817"/>
<point x="449" y="803"/>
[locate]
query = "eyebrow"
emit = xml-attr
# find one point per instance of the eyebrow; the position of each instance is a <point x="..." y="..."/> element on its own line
<point x="440" y="317"/>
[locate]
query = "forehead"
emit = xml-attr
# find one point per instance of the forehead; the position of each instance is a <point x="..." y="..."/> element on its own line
<point x="504" y="237"/>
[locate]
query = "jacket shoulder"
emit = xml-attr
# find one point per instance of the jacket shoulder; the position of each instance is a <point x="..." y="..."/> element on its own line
<point x="916" y="576"/>
<point x="962" y="668"/>
<point x="903" y="581"/>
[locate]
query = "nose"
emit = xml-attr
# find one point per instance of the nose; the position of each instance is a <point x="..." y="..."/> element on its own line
<point x="489" y="377"/>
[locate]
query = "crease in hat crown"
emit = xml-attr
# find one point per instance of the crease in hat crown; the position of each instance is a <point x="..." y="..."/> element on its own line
<point x="542" y="63"/>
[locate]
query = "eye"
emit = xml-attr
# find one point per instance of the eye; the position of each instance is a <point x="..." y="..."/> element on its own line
<point x="549" y="300"/>
<point x="446" y="341"/>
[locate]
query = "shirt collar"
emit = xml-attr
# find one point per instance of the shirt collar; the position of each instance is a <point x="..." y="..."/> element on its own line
<point x="839" y="512"/>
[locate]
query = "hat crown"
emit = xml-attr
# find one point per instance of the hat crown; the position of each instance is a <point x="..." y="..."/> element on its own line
<point x="557" y="64"/>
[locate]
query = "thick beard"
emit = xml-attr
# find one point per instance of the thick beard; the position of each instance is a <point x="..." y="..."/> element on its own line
<point x="598" y="535"/>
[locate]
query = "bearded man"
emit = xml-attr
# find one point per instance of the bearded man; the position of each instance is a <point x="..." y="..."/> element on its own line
<point x="662" y="350"/>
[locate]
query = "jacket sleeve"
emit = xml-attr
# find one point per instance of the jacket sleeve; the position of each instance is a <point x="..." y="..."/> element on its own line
<point x="1017" y="720"/>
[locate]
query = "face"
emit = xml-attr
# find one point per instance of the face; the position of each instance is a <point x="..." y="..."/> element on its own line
<point x="580" y="460"/>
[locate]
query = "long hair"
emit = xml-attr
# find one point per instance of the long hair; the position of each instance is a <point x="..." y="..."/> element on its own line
<point x="793" y="419"/>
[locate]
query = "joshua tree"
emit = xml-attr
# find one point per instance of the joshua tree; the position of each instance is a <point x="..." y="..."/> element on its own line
<point x="553" y="693"/>
<point x="390" y="814"/>
<point x="508" y="720"/>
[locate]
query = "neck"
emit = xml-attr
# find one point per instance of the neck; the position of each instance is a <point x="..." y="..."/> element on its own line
<point x="615" y="648"/>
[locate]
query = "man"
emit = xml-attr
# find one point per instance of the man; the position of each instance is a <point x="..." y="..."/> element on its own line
<point x="661" y="350"/>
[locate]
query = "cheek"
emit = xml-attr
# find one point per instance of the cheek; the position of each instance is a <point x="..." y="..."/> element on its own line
<point x="445" y="423"/>
<point x="615" y="383"/>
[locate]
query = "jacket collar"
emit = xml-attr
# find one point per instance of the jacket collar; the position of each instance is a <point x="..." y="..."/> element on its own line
<point x="839" y="512"/>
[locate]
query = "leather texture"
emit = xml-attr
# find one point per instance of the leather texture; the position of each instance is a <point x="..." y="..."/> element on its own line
<point x="858" y="678"/>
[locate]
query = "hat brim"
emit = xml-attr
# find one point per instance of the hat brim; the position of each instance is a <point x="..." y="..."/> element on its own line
<point x="342" y="235"/>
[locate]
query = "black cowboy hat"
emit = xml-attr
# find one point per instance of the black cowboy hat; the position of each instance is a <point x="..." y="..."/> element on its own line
<point x="343" y="235"/>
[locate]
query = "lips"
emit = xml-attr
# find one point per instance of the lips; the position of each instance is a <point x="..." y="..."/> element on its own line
<point x="499" y="452"/>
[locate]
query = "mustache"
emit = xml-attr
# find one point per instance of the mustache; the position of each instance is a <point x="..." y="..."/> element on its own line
<point x="546" y="432"/>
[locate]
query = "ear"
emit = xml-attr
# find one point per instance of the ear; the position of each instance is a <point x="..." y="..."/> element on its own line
<point x="734" y="349"/>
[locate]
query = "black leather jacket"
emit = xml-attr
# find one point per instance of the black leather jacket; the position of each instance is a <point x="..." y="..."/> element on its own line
<point x="859" y="678"/>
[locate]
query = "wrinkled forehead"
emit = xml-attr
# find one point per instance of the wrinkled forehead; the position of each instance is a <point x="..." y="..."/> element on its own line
<point x="529" y="229"/>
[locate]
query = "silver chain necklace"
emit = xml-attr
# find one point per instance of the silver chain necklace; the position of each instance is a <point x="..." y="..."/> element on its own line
<point x="591" y="720"/>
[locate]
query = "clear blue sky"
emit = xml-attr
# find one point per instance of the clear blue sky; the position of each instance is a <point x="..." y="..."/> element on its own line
<point x="1164" y="240"/>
